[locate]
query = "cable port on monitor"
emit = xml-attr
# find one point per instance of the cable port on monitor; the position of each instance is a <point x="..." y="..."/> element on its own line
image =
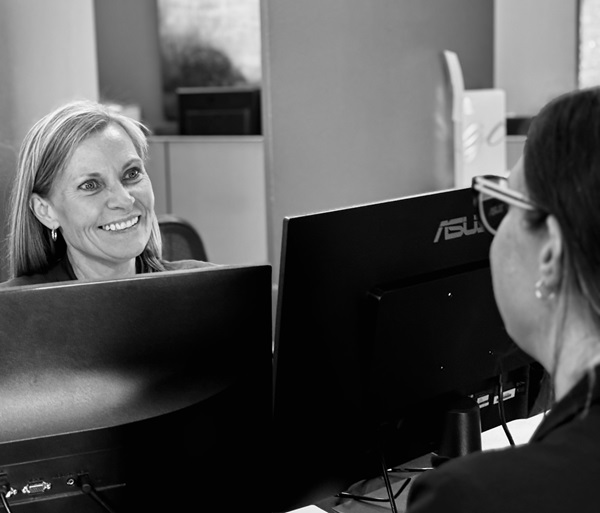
<point x="36" y="487"/>
<point x="5" y="488"/>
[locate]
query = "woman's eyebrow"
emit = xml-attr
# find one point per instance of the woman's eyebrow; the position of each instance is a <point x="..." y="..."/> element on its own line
<point x="134" y="160"/>
<point x="89" y="174"/>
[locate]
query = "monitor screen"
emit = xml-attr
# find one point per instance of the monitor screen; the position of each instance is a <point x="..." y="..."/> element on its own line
<point x="219" y="110"/>
<point x="385" y="318"/>
<point x="142" y="387"/>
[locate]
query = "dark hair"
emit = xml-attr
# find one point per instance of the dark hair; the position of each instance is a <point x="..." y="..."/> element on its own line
<point x="562" y="175"/>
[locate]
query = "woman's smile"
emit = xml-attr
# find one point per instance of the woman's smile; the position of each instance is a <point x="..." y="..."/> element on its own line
<point x="122" y="225"/>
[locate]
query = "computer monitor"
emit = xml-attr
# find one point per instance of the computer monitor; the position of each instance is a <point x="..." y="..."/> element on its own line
<point x="219" y="110"/>
<point x="385" y="319"/>
<point x="153" y="390"/>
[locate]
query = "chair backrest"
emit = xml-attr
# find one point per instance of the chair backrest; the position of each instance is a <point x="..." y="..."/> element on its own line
<point x="180" y="240"/>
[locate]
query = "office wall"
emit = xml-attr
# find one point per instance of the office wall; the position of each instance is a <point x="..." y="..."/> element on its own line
<point x="128" y="57"/>
<point x="356" y="98"/>
<point x="218" y="185"/>
<point x="47" y="57"/>
<point x="536" y="51"/>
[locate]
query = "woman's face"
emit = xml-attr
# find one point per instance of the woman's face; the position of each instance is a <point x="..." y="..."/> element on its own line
<point x="515" y="270"/>
<point x="103" y="202"/>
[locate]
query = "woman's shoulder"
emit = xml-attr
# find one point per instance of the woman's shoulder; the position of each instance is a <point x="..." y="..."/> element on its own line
<point x="60" y="271"/>
<point x="22" y="280"/>
<point x="178" y="265"/>
<point x="536" y="476"/>
<point x="478" y="482"/>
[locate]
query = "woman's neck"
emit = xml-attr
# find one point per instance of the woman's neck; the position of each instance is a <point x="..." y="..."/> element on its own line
<point x="86" y="269"/>
<point x="578" y="354"/>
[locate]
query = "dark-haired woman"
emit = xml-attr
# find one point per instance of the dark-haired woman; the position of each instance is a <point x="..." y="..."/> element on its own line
<point x="545" y="260"/>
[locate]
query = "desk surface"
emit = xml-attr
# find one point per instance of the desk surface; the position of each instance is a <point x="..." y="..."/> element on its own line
<point x="521" y="431"/>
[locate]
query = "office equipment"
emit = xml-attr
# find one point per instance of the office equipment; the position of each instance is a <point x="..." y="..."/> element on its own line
<point x="385" y="318"/>
<point x="478" y="126"/>
<point x="141" y="388"/>
<point x="219" y="110"/>
<point x="180" y="240"/>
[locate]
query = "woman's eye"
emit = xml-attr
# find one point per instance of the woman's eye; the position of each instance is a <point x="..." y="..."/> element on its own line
<point x="133" y="173"/>
<point x="89" y="186"/>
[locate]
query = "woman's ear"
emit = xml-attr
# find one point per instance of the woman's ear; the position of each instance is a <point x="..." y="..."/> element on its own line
<point x="43" y="210"/>
<point x="551" y="255"/>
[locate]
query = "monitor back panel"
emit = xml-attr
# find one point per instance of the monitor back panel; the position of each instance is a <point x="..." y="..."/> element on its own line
<point x="132" y="381"/>
<point x="336" y="374"/>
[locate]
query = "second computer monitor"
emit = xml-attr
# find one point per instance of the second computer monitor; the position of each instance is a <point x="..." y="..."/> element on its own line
<point x="385" y="315"/>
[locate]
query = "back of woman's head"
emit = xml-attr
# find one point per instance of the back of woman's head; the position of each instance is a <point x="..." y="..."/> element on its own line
<point x="46" y="150"/>
<point x="562" y="174"/>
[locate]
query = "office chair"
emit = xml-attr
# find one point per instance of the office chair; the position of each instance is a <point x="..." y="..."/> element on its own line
<point x="180" y="240"/>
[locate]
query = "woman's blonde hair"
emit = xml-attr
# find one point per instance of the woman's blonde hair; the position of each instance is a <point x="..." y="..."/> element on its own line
<point x="44" y="153"/>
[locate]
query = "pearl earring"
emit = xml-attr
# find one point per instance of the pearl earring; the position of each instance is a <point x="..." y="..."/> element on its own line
<point x="542" y="292"/>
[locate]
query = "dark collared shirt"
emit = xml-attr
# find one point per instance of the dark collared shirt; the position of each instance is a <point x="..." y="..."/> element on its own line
<point x="62" y="271"/>
<point x="557" y="471"/>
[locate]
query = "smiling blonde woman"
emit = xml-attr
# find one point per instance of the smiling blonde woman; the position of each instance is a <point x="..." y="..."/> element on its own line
<point x="82" y="204"/>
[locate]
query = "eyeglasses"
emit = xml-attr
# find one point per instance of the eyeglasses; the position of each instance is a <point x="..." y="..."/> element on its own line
<point x="492" y="197"/>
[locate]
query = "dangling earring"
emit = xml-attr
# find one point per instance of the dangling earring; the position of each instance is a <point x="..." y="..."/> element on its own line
<point x="542" y="292"/>
<point x="54" y="235"/>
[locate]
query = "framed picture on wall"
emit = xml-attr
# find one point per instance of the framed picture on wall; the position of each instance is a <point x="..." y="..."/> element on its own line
<point x="208" y="44"/>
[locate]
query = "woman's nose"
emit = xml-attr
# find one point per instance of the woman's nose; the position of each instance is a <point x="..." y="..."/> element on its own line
<point x="120" y="197"/>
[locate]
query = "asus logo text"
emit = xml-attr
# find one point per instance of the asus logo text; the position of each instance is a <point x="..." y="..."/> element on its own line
<point x="458" y="227"/>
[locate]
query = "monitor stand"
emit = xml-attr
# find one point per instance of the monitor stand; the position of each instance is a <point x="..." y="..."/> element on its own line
<point x="462" y="431"/>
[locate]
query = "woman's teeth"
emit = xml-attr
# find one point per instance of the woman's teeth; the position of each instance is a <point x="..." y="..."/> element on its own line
<point x="115" y="227"/>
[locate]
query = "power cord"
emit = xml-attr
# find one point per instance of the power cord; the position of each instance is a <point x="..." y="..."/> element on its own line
<point x="391" y="497"/>
<point x="5" y="502"/>
<point x="367" y="498"/>
<point x="501" y="411"/>
<point x="4" y="491"/>
<point x="86" y="486"/>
